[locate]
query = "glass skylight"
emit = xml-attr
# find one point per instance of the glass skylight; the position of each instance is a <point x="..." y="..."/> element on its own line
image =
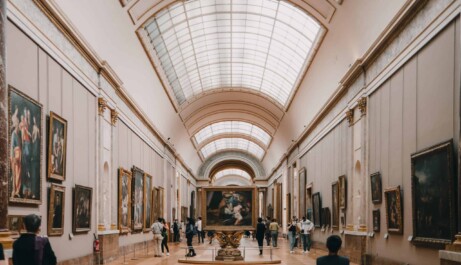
<point x="229" y="127"/>
<point x="263" y="45"/>
<point x="232" y="143"/>
<point x="232" y="172"/>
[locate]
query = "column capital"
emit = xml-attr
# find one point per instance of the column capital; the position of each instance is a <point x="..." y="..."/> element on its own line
<point x="350" y="116"/>
<point x="362" y="105"/>
<point x="113" y="116"/>
<point x="102" y="105"/>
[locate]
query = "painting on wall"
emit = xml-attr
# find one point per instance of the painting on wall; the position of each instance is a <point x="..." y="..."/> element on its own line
<point x="137" y="191"/>
<point x="317" y="209"/>
<point x="228" y="208"/>
<point x="124" y="200"/>
<point x="335" y="202"/>
<point x="155" y="204"/>
<point x="56" y="209"/>
<point x="326" y="217"/>
<point x="15" y="225"/>
<point x="342" y="182"/>
<point x="25" y="152"/>
<point x="57" y="147"/>
<point x="147" y="202"/>
<point x="433" y="196"/>
<point x="82" y="209"/>
<point x="161" y="201"/>
<point x="376" y="220"/>
<point x="376" y="188"/>
<point x="394" y="213"/>
<point x="183" y="214"/>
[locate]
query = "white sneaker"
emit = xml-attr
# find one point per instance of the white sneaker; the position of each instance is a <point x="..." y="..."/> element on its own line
<point x="168" y="254"/>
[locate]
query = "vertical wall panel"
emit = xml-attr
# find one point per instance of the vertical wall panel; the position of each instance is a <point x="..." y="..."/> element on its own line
<point x="395" y="129"/>
<point x="54" y="86"/>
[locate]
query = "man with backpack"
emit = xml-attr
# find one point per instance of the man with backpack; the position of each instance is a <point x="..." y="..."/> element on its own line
<point x="175" y="231"/>
<point x="190" y="231"/>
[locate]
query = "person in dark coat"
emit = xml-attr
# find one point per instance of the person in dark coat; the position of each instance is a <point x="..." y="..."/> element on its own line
<point x="2" y="255"/>
<point x="189" y="235"/>
<point x="333" y="244"/>
<point x="30" y="248"/>
<point x="260" y="232"/>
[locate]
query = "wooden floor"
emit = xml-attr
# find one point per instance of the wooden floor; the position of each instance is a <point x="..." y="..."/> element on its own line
<point x="205" y="252"/>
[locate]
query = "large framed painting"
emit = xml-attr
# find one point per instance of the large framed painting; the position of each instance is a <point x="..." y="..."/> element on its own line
<point x="335" y="204"/>
<point x="161" y="201"/>
<point x="376" y="188"/>
<point x="434" y="196"/>
<point x="316" y="208"/>
<point x="24" y="148"/>
<point x="394" y="211"/>
<point x="83" y="197"/>
<point x="137" y="191"/>
<point x="56" y="209"/>
<point x="342" y="182"/>
<point x="376" y="220"/>
<point x="229" y="208"/>
<point x="124" y="200"/>
<point x="155" y="204"/>
<point x="147" y="202"/>
<point x="183" y="214"/>
<point x="57" y="147"/>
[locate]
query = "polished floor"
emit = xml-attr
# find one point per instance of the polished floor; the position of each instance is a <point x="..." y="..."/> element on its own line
<point x="206" y="251"/>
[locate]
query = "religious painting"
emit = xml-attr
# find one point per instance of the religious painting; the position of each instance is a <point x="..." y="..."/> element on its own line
<point x="57" y="147"/>
<point x="82" y="205"/>
<point x="376" y="220"/>
<point x="316" y="209"/>
<point x="433" y="196"/>
<point x="326" y="217"/>
<point x="183" y="214"/>
<point x="229" y="208"/>
<point x="24" y="148"/>
<point x="335" y="202"/>
<point x="56" y="209"/>
<point x="342" y="192"/>
<point x="147" y="202"/>
<point x="161" y="201"/>
<point x="394" y="210"/>
<point x="124" y="200"/>
<point x="137" y="192"/>
<point x="155" y="204"/>
<point x="376" y="188"/>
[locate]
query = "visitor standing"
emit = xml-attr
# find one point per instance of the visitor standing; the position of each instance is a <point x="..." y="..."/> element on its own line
<point x="157" y="228"/>
<point x="2" y="255"/>
<point x="260" y="232"/>
<point x="200" y="232"/>
<point x="165" y="238"/>
<point x="274" y="227"/>
<point x="268" y="231"/>
<point x="175" y="230"/>
<point x="333" y="244"/>
<point x="189" y="236"/>
<point x="306" y="228"/>
<point x="292" y="236"/>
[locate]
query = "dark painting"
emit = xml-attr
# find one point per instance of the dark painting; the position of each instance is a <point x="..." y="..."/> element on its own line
<point x="317" y="209"/>
<point x="82" y="209"/>
<point x="394" y="210"/>
<point x="147" y="202"/>
<point x="342" y="182"/>
<point x="376" y="188"/>
<point x="326" y="217"/>
<point x="56" y="210"/>
<point x="335" y="201"/>
<point x="376" y="220"/>
<point x="138" y="197"/>
<point x="57" y="147"/>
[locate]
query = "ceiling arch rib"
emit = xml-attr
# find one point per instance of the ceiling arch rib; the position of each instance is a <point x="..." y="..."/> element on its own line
<point x="225" y="144"/>
<point x="232" y="172"/>
<point x="226" y="128"/>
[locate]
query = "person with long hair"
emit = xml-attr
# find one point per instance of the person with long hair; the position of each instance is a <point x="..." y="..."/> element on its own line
<point x="165" y="230"/>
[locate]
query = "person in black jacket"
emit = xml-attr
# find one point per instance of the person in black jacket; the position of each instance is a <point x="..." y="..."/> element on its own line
<point x="260" y="232"/>
<point x="2" y="255"/>
<point x="31" y="249"/>
<point x="189" y="235"/>
<point x="333" y="244"/>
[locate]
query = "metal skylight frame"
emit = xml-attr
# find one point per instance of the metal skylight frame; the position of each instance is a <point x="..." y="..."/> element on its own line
<point x="232" y="144"/>
<point x="233" y="127"/>
<point x="232" y="172"/>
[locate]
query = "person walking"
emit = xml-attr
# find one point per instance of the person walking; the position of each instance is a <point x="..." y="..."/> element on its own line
<point x="306" y="228"/>
<point x="2" y="255"/>
<point x="268" y="231"/>
<point x="292" y="236"/>
<point x="189" y="236"/>
<point x="260" y="232"/>
<point x="175" y="230"/>
<point x="165" y="230"/>
<point x="274" y="228"/>
<point x="210" y="235"/>
<point x="200" y="232"/>
<point x="157" y="228"/>
<point x="30" y="248"/>
<point x="333" y="244"/>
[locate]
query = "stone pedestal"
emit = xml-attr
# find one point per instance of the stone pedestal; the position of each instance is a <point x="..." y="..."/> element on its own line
<point x="229" y="242"/>
<point x="109" y="247"/>
<point x="355" y="247"/>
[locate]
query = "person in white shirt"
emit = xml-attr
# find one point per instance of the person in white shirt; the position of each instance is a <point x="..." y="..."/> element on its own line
<point x="200" y="232"/>
<point x="306" y="228"/>
<point x="157" y="231"/>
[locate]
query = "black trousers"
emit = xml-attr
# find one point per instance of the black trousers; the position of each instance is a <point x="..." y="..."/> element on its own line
<point x="260" y="244"/>
<point x="176" y="236"/>
<point x="165" y="243"/>
<point x="189" y="244"/>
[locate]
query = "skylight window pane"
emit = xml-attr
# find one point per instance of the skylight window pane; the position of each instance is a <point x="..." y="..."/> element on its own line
<point x="232" y="172"/>
<point x="223" y="144"/>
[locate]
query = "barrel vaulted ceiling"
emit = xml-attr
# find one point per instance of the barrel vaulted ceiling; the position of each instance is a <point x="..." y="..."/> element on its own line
<point x="231" y="67"/>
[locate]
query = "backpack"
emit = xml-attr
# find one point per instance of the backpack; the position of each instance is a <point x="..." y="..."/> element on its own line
<point x="194" y="231"/>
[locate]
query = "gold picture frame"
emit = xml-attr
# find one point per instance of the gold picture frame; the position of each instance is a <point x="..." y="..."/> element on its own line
<point x="56" y="210"/>
<point x="342" y="182"/>
<point x="335" y="204"/>
<point x="124" y="200"/>
<point x="137" y="199"/>
<point x="82" y="209"/>
<point x="148" y="200"/>
<point x="57" y="147"/>
<point x="15" y="225"/>
<point x="229" y="208"/>
<point x="394" y="219"/>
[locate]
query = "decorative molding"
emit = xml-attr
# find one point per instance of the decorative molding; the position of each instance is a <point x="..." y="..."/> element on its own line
<point x="113" y="116"/>
<point x="350" y="116"/>
<point x="102" y="105"/>
<point x="362" y="105"/>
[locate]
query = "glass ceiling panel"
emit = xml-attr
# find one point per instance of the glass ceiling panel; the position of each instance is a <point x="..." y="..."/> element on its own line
<point x="232" y="172"/>
<point x="262" y="45"/>
<point x="232" y="143"/>
<point x="229" y="127"/>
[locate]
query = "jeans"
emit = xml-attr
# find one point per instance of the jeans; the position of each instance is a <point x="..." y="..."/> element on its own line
<point x="157" y="243"/>
<point x="189" y="245"/>
<point x="274" y="235"/>
<point x="292" y="239"/>
<point x="306" y="242"/>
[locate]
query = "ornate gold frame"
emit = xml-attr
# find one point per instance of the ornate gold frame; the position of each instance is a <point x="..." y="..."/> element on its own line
<point x="54" y="116"/>
<point x="147" y="197"/>
<point x="74" y="209"/>
<point x="229" y="188"/>
<point x="121" y="173"/>
<point x="342" y="192"/>
<point x="134" y="170"/>
<point x="334" y="206"/>
<point x="53" y="189"/>
<point x="398" y="202"/>
<point x="376" y="175"/>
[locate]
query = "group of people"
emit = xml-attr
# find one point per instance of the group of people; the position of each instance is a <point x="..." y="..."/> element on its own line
<point x="160" y="230"/>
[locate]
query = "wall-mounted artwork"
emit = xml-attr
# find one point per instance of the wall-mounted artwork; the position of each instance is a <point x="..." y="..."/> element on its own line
<point x="124" y="201"/>
<point x="15" y="225"/>
<point x="335" y="202"/>
<point x="82" y="203"/>
<point x="376" y="220"/>
<point x="433" y="196"/>
<point x="57" y="147"/>
<point x="56" y="209"/>
<point x="137" y="191"/>
<point x="326" y="217"/>
<point x="342" y="182"/>
<point x="317" y="209"/>
<point x="394" y="210"/>
<point x="147" y="202"/>
<point x="155" y="204"/>
<point x="25" y="148"/>
<point x="229" y="208"/>
<point x="376" y="188"/>
<point x="183" y="214"/>
<point x="161" y="201"/>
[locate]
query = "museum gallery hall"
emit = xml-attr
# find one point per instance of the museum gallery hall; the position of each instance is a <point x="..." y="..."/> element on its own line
<point x="230" y="132"/>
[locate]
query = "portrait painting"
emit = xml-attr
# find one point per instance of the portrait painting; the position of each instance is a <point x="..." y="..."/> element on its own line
<point x="342" y="182"/>
<point x="147" y="202"/>
<point x="229" y="208"/>
<point x="57" y="147"/>
<point x="335" y="202"/>
<point x="394" y="210"/>
<point x="434" y="196"/>
<point x="24" y="148"/>
<point x="56" y="211"/>
<point x="82" y="209"/>
<point x="137" y="193"/>
<point x="376" y="220"/>
<point x="326" y="217"/>
<point x="317" y="209"/>
<point x="376" y="188"/>
<point x="155" y="204"/>
<point x="124" y="200"/>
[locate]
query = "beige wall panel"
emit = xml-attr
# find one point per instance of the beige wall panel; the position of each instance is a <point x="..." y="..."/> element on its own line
<point x="371" y="120"/>
<point x="80" y="132"/>
<point x="54" y="92"/>
<point x="395" y="129"/>
<point x="42" y="76"/>
<point x="92" y="114"/>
